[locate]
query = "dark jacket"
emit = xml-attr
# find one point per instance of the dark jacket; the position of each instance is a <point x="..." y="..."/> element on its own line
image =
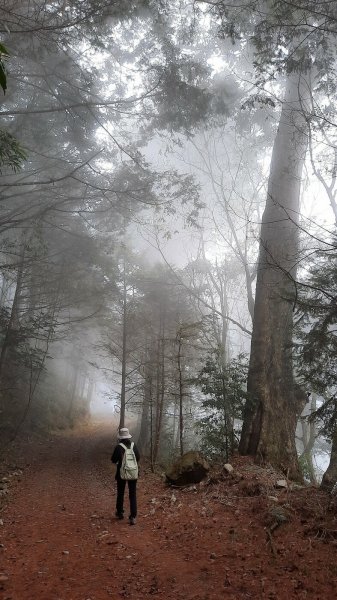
<point x="118" y="453"/>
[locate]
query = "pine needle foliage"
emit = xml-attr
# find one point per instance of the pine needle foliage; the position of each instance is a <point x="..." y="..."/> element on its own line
<point x="316" y="347"/>
<point x="224" y="387"/>
<point x="3" y="73"/>
<point x="11" y="153"/>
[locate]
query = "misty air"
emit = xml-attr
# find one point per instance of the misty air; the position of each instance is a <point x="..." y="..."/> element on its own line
<point x="168" y="287"/>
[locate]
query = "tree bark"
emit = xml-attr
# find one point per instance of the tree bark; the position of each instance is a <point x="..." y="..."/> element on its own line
<point x="13" y="323"/>
<point x="124" y="353"/>
<point x="308" y="438"/>
<point x="330" y="476"/>
<point x="160" y="392"/>
<point x="273" y="406"/>
<point x="181" y="393"/>
<point x="145" y="425"/>
<point x="72" y="395"/>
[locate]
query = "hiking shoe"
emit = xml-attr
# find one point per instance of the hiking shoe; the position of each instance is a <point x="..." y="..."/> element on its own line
<point x="132" y="520"/>
<point x="119" y="515"/>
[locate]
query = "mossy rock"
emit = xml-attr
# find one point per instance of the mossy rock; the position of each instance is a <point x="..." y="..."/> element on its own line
<point x="188" y="469"/>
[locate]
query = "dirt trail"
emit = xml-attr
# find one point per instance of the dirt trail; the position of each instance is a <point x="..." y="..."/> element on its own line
<point x="60" y="540"/>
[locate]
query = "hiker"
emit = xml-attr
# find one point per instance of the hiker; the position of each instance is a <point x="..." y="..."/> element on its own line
<point x="127" y="471"/>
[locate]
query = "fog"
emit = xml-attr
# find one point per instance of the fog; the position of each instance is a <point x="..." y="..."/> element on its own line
<point x="154" y="165"/>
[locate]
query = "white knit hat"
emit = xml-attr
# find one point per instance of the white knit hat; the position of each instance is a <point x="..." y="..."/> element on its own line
<point x="124" y="434"/>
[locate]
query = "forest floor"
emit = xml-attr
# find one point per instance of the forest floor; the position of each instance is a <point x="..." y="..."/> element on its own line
<point x="59" y="539"/>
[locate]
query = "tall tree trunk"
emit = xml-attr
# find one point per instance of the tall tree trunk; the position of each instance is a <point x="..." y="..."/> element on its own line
<point x="330" y="476"/>
<point x="90" y="392"/>
<point x="13" y="322"/>
<point x="160" y="387"/>
<point x="124" y="353"/>
<point x="308" y="438"/>
<point x="5" y="285"/>
<point x="145" y="432"/>
<point x="157" y="424"/>
<point x="271" y="412"/>
<point x="72" y="398"/>
<point x="181" y="393"/>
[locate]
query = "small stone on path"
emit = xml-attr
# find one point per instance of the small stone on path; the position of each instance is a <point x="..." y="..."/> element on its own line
<point x="228" y="468"/>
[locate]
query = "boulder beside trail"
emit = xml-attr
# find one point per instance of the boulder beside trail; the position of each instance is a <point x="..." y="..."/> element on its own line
<point x="189" y="468"/>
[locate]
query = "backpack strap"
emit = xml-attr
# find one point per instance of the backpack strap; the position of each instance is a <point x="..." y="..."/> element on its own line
<point x="132" y="445"/>
<point x="120" y="444"/>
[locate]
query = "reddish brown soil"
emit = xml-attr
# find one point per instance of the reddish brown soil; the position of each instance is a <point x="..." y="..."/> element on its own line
<point x="60" y="540"/>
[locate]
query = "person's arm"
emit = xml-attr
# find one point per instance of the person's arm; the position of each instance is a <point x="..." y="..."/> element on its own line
<point x="116" y="455"/>
<point x="136" y="451"/>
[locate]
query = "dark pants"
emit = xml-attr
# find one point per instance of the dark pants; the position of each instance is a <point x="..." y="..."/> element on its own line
<point x="132" y="496"/>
